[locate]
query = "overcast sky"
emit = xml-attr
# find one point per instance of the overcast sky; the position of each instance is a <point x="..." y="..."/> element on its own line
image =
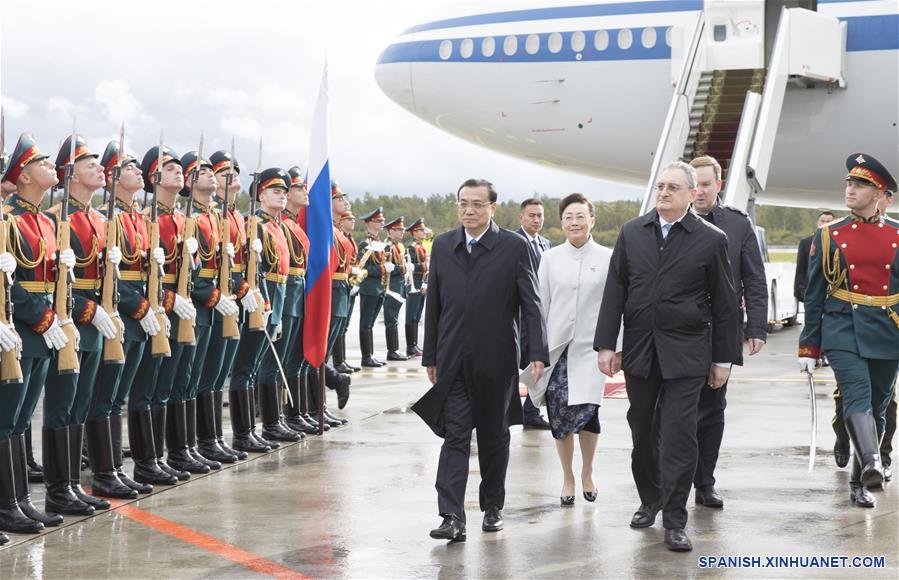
<point x="247" y="69"/>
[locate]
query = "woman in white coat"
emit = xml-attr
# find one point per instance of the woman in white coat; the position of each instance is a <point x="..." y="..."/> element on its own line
<point x="572" y="278"/>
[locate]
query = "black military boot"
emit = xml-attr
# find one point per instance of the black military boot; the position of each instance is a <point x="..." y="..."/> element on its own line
<point x="270" y="414"/>
<point x="143" y="450"/>
<point x="218" y="405"/>
<point x="160" y="419"/>
<point x="342" y="340"/>
<point x="254" y="397"/>
<point x="35" y="469"/>
<point x="4" y="539"/>
<point x="304" y="401"/>
<point x="393" y="345"/>
<point x="179" y="456"/>
<point x="339" y="382"/>
<point x="412" y="349"/>
<point x="11" y="517"/>
<point x="292" y="415"/>
<point x="191" y="406"/>
<point x="239" y="406"/>
<point x="105" y="483"/>
<point x="60" y="498"/>
<point x="20" y="474"/>
<point x="115" y="433"/>
<point x="863" y="432"/>
<point x="841" y="444"/>
<point x="76" y="442"/>
<point x="367" y="343"/>
<point x="858" y="493"/>
<point x="207" y="443"/>
<point x="317" y="406"/>
<point x="339" y="356"/>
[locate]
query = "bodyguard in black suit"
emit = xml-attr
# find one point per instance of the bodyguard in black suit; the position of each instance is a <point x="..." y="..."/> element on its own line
<point x="481" y="277"/>
<point x="805" y="246"/>
<point x="752" y="291"/>
<point x="670" y="279"/>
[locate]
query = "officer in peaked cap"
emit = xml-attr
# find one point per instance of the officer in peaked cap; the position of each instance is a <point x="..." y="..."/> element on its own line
<point x="373" y="287"/>
<point x="415" y="298"/>
<point x="396" y="255"/>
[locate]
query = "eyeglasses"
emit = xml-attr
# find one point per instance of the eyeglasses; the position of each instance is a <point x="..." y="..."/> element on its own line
<point x="475" y="205"/>
<point x="672" y="187"/>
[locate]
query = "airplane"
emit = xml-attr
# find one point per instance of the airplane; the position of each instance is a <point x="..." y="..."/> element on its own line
<point x="781" y="90"/>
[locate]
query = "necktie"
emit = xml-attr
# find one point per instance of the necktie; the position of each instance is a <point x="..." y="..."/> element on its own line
<point x="471" y="245"/>
<point x="665" y="229"/>
<point x="536" y="247"/>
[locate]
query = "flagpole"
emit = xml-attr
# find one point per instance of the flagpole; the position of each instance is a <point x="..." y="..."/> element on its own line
<point x="321" y="399"/>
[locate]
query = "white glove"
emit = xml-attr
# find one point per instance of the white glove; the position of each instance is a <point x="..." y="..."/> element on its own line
<point x="276" y="335"/>
<point x="150" y="324"/>
<point x="114" y="255"/>
<point x="55" y="336"/>
<point x="226" y="306"/>
<point x="423" y="289"/>
<point x="229" y="249"/>
<point x="377" y="246"/>
<point x="249" y="302"/>
<point x="184" y="308"/>
<point x="159" y="256"/>
<point x="389" y="267"/>
<point x="168" y="323"/>
<point x="356" y="271"/>
<point x="8" y="337"/>
<point x="354" y="290"/>
<point x="104" y="323"/>
<point x="256" y="246"/>
<point x="7" y="263"/>
<point x="807" y="364"/>
<point x="191" y="245"/>
<point x="75" y="333"/>
<point x="67" y="258"/>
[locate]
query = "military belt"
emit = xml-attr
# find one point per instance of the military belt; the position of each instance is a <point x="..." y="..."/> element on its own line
<point x="169" y="278"/>
<point x="41" y="287"/>
<point x="86" y="284"/>
<point x="340" y="276"/>
<point x="296" y="271"/>
<point x="133" y="275"/>
<point x="275" y="277"/>
<point x="239" y="268"/>
<point x="864" y="299"/>
<point x="209" y="273"/>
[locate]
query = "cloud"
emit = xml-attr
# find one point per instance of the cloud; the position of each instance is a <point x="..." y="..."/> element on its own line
<point x="13" y="108"/>
<point x="118" y="102"/>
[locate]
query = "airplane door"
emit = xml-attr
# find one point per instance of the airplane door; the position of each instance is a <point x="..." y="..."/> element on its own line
<point x="772" y="15"/>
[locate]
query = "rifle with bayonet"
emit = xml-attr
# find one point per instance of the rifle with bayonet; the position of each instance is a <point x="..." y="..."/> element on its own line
<point x="229" y="323"/>
<point x="10" y="367"/>
<point x="186" y="332"/>
<point x="113" y="352"/>
<point x="256" y="319"/>
<point x="63" y="301"/>
<point x="155" y="292"/>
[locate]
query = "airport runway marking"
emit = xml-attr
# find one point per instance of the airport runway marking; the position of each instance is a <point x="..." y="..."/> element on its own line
<point x="248" y="560"/>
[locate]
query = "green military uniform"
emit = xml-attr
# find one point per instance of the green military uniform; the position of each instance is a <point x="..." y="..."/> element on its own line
<point x="396" y="255"/>
<point x="850" y="301"/>
<point x="343" y="295"/>
<point x="417" y="255"/>
<point x="371" y="290"/>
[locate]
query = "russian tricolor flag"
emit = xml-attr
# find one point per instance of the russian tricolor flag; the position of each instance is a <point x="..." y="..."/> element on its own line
<point x="319" y="228"/>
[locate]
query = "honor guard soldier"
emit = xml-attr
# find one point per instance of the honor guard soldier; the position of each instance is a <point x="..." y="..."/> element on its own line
<point x="851" y="317"/>
<point x="270" y="190"/>
<point x="209" y="300"/>
<point x="222" y="349"/>
<point x="31" y="239"/>
<point x="396" y="257"/>
<point x="417" y="256"/>
<point x="345" y="256"/>
<point x="115" y="378"/>
<point x="156" y="373"/>
<point x="346" y="223"/>
<point x="372" y="288"/>
<point x="69" y="393"/>
<point x="288" y="347"/>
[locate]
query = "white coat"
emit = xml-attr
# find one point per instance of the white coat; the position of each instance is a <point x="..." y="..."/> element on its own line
<point x="572" y="281"/>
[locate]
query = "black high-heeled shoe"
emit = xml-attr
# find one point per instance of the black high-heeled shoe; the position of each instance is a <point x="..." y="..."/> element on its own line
<point x="567" y="500"/>
<point x="591" y="495"/>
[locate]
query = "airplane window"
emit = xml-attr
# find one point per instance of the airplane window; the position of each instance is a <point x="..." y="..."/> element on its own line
<point x="601" y="40"/>
<point x="578" y="41"/>
<point x="625" y="38"/>
<point x="510" y="45"/>
<point x="488" y="46"/>
<point x="446" y="49"/>
<point x="555" y="42"/>
<point x="466" y="48"/>
<point x="668" y="34"/>
<point x="532" y="44"/>
<point x="648" y="37"/>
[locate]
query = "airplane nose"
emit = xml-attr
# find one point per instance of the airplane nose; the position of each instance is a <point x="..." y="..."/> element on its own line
<point x="395" y="77"/>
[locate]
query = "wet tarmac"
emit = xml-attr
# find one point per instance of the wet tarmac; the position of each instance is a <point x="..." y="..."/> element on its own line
<point x="359" y="502"/>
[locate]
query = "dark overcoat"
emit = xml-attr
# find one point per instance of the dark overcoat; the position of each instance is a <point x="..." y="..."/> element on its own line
<point x="472" y="325"/>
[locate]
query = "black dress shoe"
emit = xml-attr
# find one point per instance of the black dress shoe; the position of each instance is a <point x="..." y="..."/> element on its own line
<point x="138" y="487"/>
<point x="371" y="362"/>
<point x="343" y="367"/>
<point x="452" y="529"/>
<point x="645" y="516"/>
<point x="677" y="540"/>
<point x="538" y="423"/>
<point x="493" y="519"/>
<point x="860" y="496"/>
<point x="566" y="500"/>
<point x="707" y="496"/>
<point x="591" y="495"/>
<point x="841" y="453"/>
<point x="396" y="356"/>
